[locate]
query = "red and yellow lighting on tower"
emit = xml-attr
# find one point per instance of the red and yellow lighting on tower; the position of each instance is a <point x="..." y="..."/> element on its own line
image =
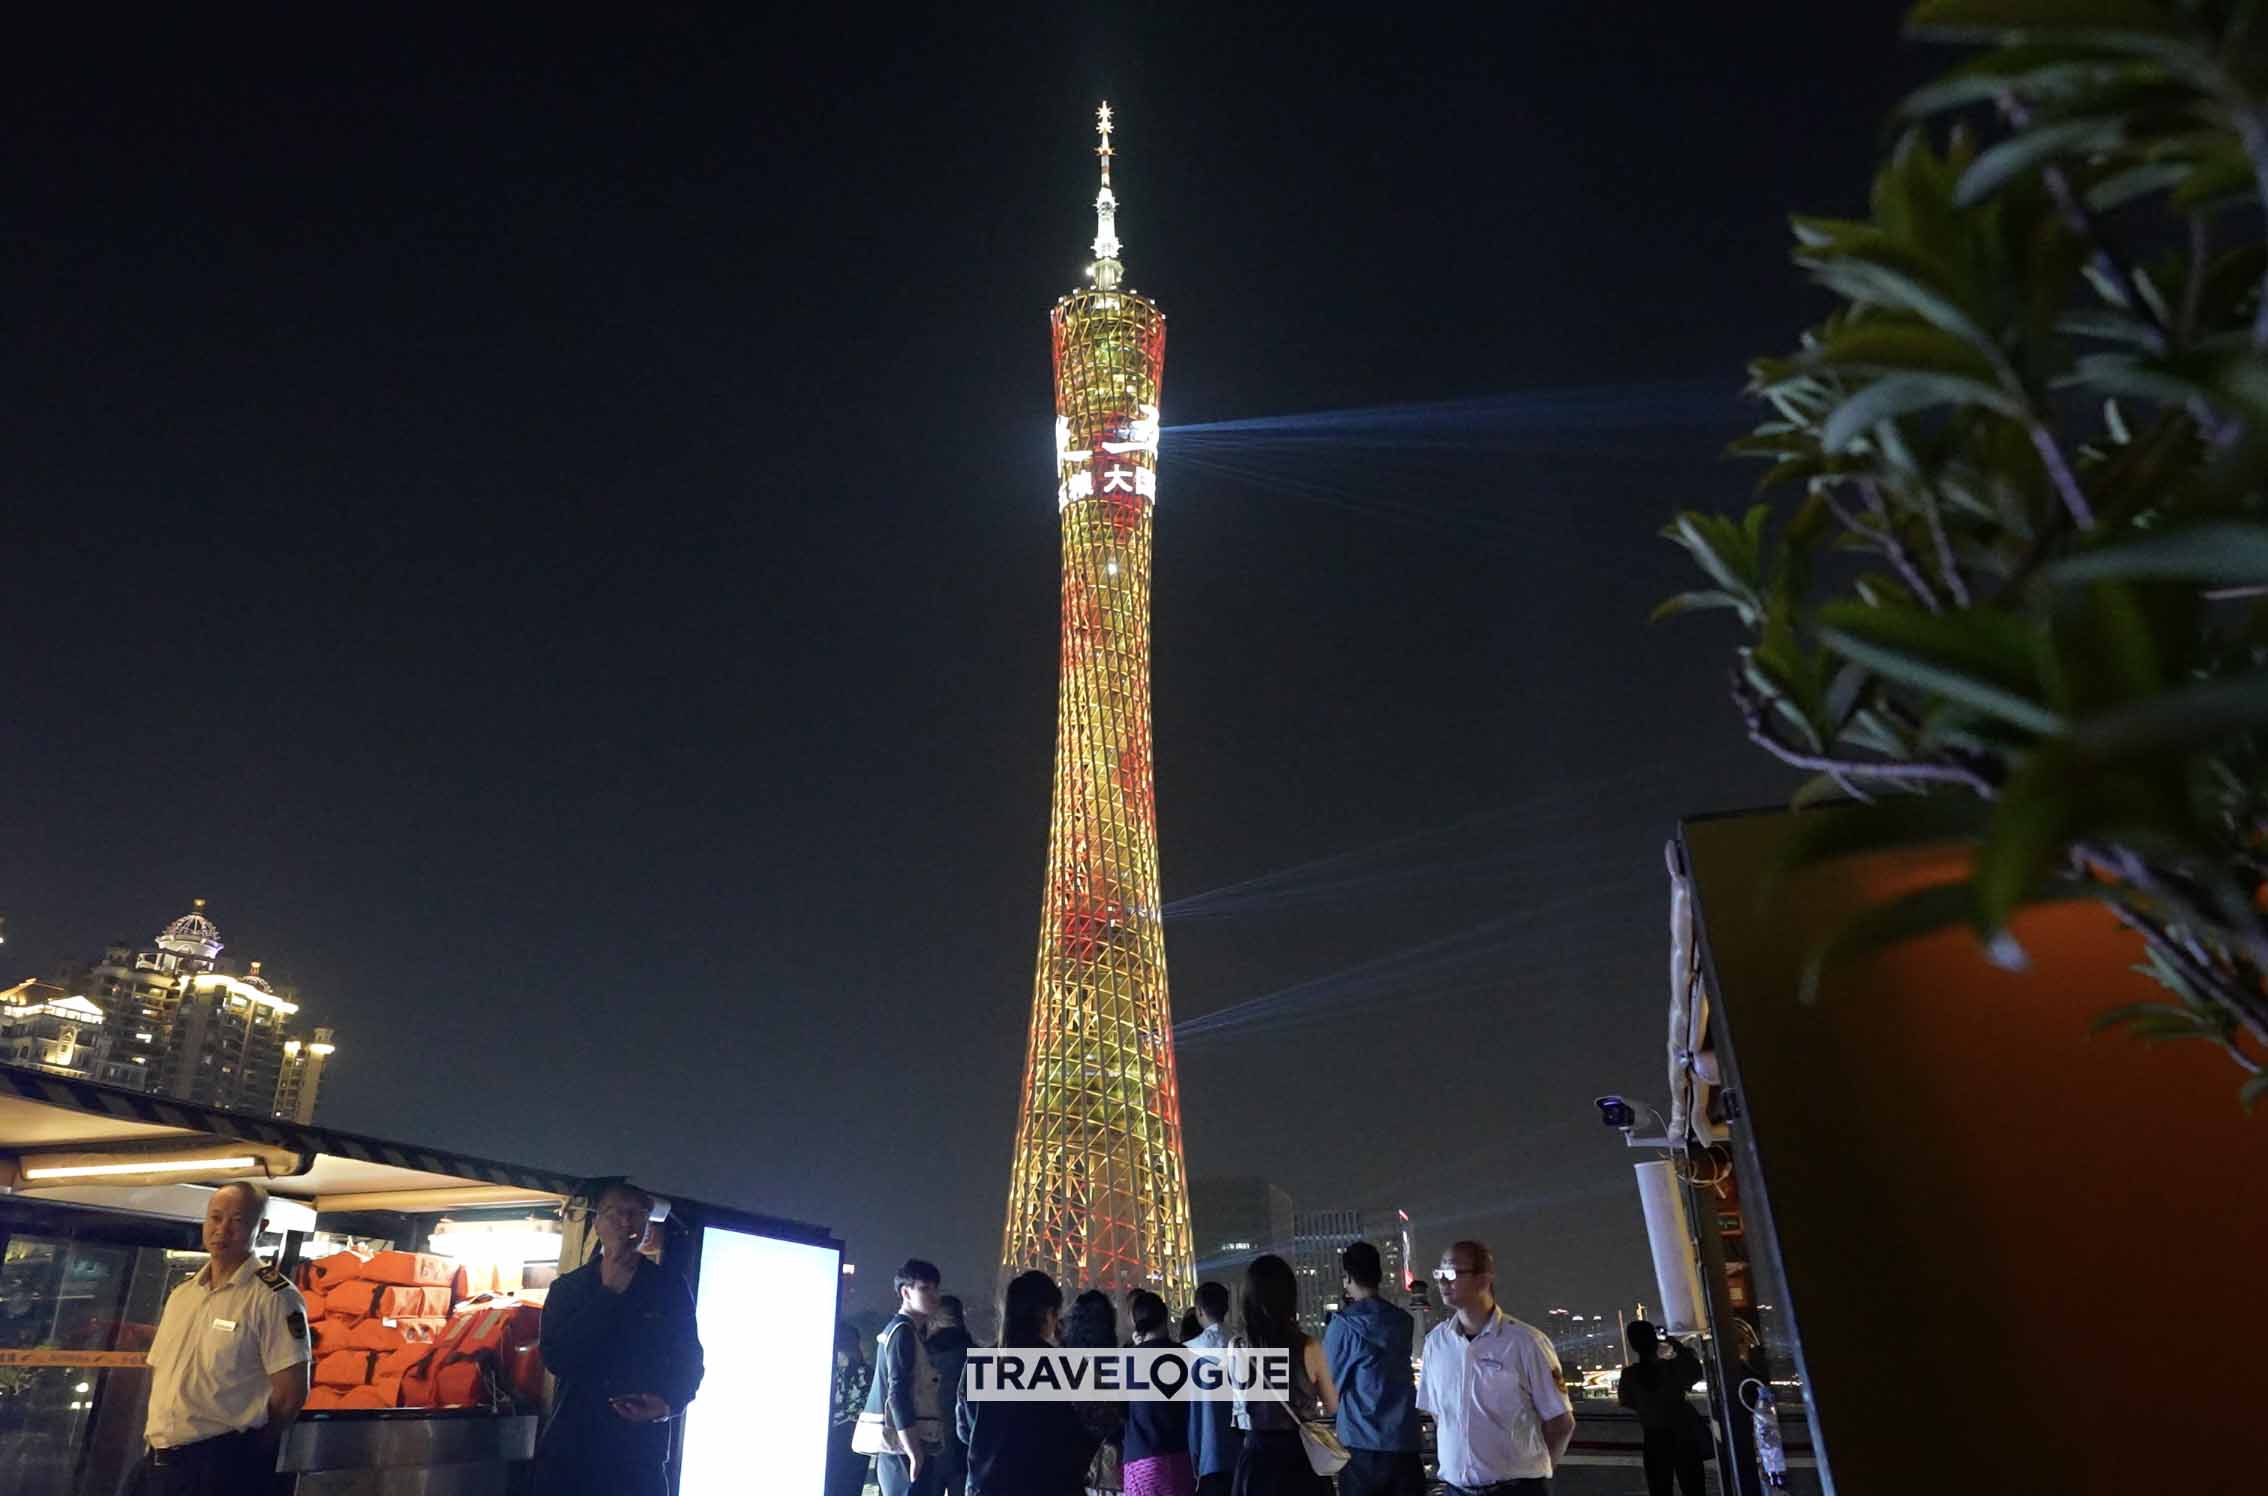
<point x="1097" y="1196"/>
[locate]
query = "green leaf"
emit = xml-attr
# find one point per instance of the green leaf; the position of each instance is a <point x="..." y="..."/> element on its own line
<point x="2216" y="554"/>
<point x="1900" y="347"/>
<point x="1817" y="791"/>
<point x="2223" y="175"/>
<point x="2044" y="72"/>
<point x="2194" y="717"/>
<point x="2251" y="1093"/>
<point x="2124" y="186"/>
<point x="1719" y="548"/>
<point x="2029" y="827"/>
<point x="1978" y="658"/>
<point x="1903" y="394"/>
<point x="2128" y="1012"/>
<point x="2034" y="148"/>
<point x="1694" y="602"/>
<point x="2133" y="23"/>
<point x="1878" y="273"/>
<point x="2113" y="325"/>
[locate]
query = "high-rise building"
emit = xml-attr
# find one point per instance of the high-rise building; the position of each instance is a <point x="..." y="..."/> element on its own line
<point x="301" y="1080"/>
<point x="1319" y="1236"/>
<point x="199" y="1029"/>
<point x="1235" y="1219"/>
<point x="1096" y="1193"/>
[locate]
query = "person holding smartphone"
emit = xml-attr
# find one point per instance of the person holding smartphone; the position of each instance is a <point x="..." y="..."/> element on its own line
<point x="619" y="1334"/>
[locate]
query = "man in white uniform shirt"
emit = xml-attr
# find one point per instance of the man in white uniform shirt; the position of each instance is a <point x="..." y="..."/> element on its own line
<point x="228" y="1369"/>
<point x="1493" y="1385"/>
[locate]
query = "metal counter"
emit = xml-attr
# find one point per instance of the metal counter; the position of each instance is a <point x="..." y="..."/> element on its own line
<point x="407" y="1453"/>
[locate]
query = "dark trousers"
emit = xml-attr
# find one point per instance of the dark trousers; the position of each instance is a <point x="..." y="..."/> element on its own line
<point x="1219" y="1483"/>
<point x="1534" y="1485"/>
<point x="1668" y="1457"/>
<point x="242" y="1464"/>
<point x="890" y="1471"/>
<point x="846" y="1467"/>
<point x="558" y="1473"/>
<point x="1382" y="1472"/>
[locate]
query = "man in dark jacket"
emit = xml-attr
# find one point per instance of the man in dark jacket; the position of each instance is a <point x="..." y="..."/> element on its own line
<point x="1368" y="1347"/>
<point x="618" y="1333"/>
<point x="906" y="1390"/>
<point x="948" y="1347"/>
<point x="1654" y="1386"/>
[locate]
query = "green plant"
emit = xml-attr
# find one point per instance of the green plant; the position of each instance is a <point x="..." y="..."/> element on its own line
<point x="2011" y="585"/>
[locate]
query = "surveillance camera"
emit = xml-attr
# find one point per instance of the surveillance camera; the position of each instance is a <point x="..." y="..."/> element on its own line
<point x="1616" y="1112"/>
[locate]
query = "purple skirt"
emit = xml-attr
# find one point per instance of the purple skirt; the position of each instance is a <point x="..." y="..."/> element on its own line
<point x="1161" y="1475"/>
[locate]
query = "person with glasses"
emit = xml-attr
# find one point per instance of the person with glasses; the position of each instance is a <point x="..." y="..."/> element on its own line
<point x="1493" y="1386"/>
<point x="618" y="1333"/>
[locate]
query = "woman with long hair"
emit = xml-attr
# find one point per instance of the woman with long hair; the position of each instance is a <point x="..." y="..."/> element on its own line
<point x="1026" y="1448"/>
<point x="1157" y="1433"/>
<point x="1093" y="1324"/>
<point x="1274" y="1461"/>
<point x="846" y="1468"/>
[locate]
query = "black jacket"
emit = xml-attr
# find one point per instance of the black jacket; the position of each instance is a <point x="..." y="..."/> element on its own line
<point x="602" y="1345"/>
<point x="1156" y="1428"/>
<point x="1655" y="1390"/>
<point x="1026" y="1448"/>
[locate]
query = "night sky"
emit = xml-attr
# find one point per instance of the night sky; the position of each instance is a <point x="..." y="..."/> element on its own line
<point x="548" y="526"/>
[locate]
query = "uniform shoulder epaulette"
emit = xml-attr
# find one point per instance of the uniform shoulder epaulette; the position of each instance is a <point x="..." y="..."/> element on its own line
<point x="272" y="1278"/>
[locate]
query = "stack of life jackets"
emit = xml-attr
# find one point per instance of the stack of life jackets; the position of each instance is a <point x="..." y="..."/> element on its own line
<point x="400" y="1330"/>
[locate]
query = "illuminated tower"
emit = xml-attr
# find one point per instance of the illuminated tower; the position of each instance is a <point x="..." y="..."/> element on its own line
<point x="1097" y="1196"/>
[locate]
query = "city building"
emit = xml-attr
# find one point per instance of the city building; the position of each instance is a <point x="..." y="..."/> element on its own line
<point x="1235" y="1219"/>
<point x="45" y="1026"/>
<point x="196" y="1028"/>
<point x="1097" y="1195"/>
<point x="301" y="1080"/>
<point x="1585" y="1342"/>
<point x="1319" y="1236"/>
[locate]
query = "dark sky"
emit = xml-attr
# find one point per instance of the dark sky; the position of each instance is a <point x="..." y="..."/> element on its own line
<point x="546" y="523"/>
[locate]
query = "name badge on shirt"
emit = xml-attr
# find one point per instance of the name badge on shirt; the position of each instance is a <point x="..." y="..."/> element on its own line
<point x="224" y="1324"/>
<point x="1488" y="1363"/>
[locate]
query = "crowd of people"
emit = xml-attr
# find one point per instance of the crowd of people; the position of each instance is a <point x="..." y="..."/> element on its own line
<point x="1491" y="1384"/>
<point x="230" y="1372"/>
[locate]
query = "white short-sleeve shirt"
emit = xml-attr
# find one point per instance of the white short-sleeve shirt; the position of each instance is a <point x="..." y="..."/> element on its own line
<point x="215" y="1350"/>
<point x="1490" y="1397"/>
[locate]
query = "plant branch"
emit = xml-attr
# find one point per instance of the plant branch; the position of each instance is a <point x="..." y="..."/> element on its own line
<point x="2060" y="474"/>
<point x="1884" y="541"/>
<point x="1754" y="707"/>
<point x="1946" y="565"/>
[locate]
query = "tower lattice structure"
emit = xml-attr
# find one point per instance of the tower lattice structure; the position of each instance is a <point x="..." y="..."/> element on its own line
<point x="1098" y="1196"/>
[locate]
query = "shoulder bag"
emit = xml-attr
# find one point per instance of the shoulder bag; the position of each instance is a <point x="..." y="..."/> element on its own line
<point x="872" y="1436"/>
<point x="1318" y="1435"/>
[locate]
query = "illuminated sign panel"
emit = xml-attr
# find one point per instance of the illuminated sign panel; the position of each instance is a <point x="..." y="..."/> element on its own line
<point x="766" y="1309"/>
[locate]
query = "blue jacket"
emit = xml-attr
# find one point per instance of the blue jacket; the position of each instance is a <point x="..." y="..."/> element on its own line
<point x="1214" y="1438"/>
<point x="1368" y="1348"/>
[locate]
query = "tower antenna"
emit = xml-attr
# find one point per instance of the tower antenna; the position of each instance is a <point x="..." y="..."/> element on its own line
<point x="1106" y="269"/>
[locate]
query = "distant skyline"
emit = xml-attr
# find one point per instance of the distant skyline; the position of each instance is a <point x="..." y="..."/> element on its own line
<point x="548" y="526"/>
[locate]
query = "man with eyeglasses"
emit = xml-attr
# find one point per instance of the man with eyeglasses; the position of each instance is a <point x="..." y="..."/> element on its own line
<point x="1493" y="1385"/>
<point x="619" y="1334"/>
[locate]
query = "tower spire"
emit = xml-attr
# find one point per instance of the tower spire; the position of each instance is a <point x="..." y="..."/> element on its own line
<point x="1106" y="269"/>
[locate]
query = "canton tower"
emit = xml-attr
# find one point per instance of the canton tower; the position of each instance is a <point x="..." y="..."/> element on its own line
<point x="1097" y="1197"/>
